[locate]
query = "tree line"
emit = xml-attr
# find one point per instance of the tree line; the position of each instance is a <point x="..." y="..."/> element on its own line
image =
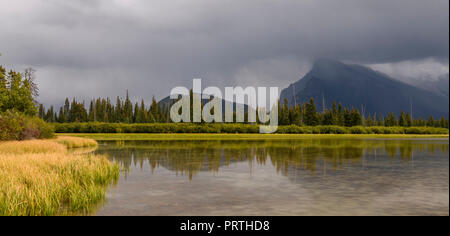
<point x="104" y="110"/>
<point x="307" y="114"/>
<point x="124" y="111"/>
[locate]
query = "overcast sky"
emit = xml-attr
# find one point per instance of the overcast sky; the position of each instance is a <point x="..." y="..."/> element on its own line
<point x="90" y="48"/>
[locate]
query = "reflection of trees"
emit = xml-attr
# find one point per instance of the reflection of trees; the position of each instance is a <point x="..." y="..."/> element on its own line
<point x="307" y="155"/>
<point x="190" y="157"/>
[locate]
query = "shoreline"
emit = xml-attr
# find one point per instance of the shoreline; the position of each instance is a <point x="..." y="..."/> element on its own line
<point x="206" y="136"/>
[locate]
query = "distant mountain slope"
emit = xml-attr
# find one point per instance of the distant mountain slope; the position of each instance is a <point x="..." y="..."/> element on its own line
<point x="440" y="86"/>
<point x="358" y="86"/>
<point x="167" y="102"/>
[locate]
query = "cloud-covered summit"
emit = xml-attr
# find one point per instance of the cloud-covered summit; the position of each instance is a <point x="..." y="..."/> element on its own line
<point x="90" y="48"/>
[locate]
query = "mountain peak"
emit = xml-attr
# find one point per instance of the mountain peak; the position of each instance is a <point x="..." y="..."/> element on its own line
<point x="356" y="85"/>
<point x="327" y="62"/>
<point x="326" y="68"/>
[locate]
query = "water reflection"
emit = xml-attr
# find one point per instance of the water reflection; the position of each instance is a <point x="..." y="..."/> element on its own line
<point x="280" y="177"/>
<point x="314" y="156"/>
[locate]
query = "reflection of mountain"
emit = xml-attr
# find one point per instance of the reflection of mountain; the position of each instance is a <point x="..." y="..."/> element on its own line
<point x="191" y="157"/>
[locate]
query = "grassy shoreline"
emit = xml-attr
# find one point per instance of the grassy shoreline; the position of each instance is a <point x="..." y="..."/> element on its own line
<point x="41" y="177"/>
<point x="135" y="136"/>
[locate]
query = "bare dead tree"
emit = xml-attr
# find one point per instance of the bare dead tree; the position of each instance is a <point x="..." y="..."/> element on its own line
<point x="295" y="99"/>
<point x="324" y="107"/>
<point x="30" y="76"/>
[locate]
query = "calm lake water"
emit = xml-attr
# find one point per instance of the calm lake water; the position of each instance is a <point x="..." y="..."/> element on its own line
<point x="280" y="177"/>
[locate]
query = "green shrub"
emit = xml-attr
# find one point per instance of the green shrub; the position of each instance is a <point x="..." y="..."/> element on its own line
<point x="96" y="127"/>
<point x="425" y="130"/>
<point x="376" y="130"/>
<point x="46" y="130"/>
<point x="16" y="126"/>
<point x="291" y="129"/>
<point x="306" y="130"/>
<point x="11" y="125"/>
<point x="333" y="129"/>
<point x="358" y="130"/>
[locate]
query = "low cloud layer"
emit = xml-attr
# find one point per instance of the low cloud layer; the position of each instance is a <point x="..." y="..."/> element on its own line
<point x="407" y="71"/>
<point x="89" y="48"/>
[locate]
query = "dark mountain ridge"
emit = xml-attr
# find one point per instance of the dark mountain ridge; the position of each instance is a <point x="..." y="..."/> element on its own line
<point x="167" y="102"/>
<point x="358" y="86"/>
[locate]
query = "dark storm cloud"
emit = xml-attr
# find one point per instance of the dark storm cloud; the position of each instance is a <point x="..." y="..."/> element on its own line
<point x="90" y="48"/>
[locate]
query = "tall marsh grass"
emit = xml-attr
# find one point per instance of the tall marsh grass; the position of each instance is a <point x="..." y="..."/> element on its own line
<point x="42" y="178"/>
<point x="31" y="147"/>
<point x="75" y="142"/>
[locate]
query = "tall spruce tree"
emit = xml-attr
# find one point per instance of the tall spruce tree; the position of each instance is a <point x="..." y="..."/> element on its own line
<point x="284" y="114"/>
<point x="127" y="110"/>
<point x="356" y="118"/>
<point x="430" y="121"/>
<point x="402" y="119"/>
<point x="390" y="120"/>
<point x="347" y="118"/>
<point x="310" y="113"/>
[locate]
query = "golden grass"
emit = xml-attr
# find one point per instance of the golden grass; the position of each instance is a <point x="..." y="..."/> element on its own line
<point x="41" y="177"/>
<point x="31" y="147"/>
<point x="81" y="151"/>
<point x="76" y="142"/>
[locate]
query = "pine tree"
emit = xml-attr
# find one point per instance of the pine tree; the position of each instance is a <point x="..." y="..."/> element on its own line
<point x="109" y="111"/>
<point x="311" y="116"/>
<point x="284" y="114"/>
<point x="297" y="118"/>
<point x="369" y="122"/>
<point x="127" y="110"/>
<point x="420" y="122"/>
<point x="356" y="118"/>
<point x="327" y="118"/>
<point x="340" y="115"/>
<point x="402" y="119"/>
<point x="335" y="114"/>
<point x="409" y="121"/>
<point x="347" y="118"/>
<point x="430" y="121"/>
<point x="49" y="117"/>
<point x="91" y="114"/>
<point x="67" y="110"/>
<point x="141" y="117"/>
<point x="380" y="121"/>
<point x="77" y="112"/>
<point x="390" y="120"/>
<point x="41" y="112"/>
<point x="135" y="113"/>
<point x="446" y="124"/>
<point x="154" y="111"/>
<point x="61" y="116"/>
<point x="118" y="110"/>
